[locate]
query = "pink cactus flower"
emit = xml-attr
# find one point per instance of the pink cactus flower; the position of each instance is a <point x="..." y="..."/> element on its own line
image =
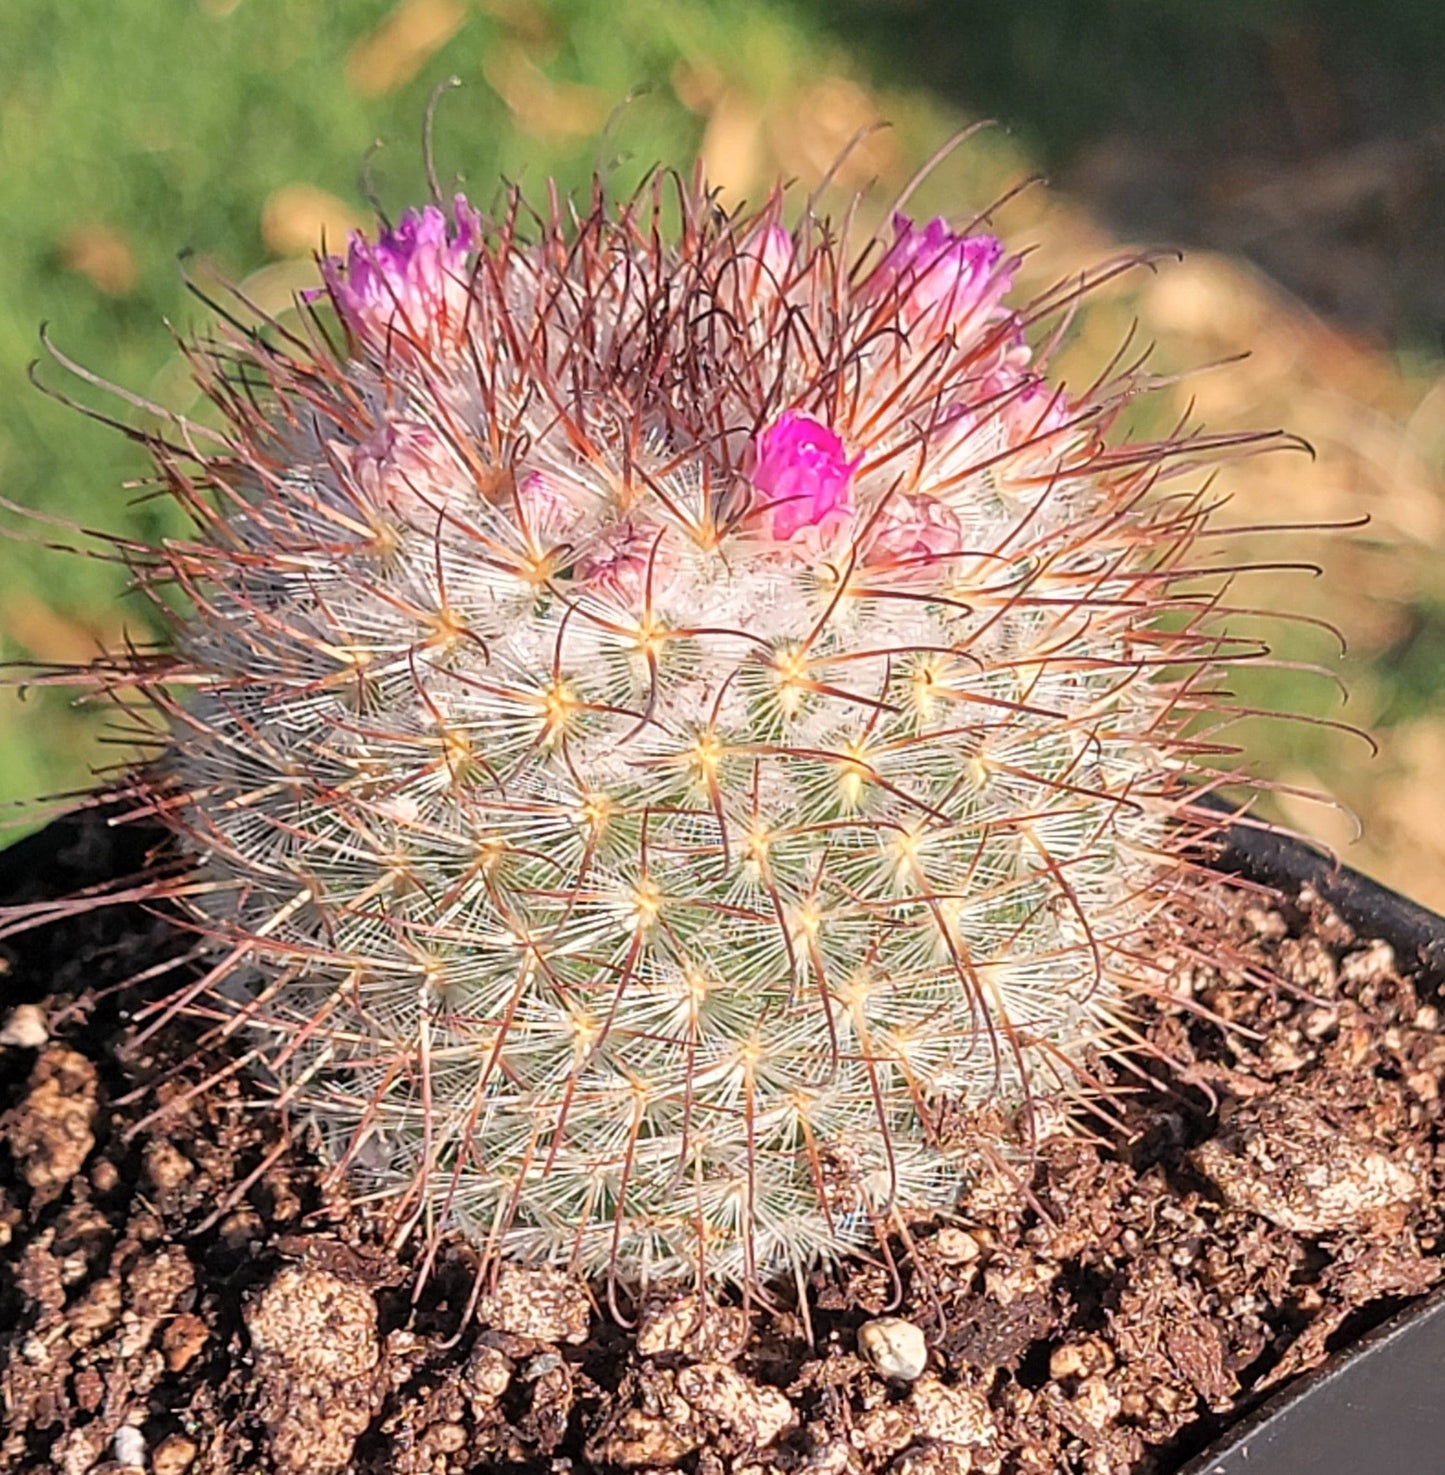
<point x="944" y="281"/>
<point x="411" y="286"/>
<point x="801" y="474"/>
<point x="913" y="532"/>
<point x="554" y="513"/>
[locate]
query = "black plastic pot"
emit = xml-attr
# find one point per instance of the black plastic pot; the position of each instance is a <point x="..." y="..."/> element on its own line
<point x="1377" y="1405"/>
<point x="1416" y="933"/>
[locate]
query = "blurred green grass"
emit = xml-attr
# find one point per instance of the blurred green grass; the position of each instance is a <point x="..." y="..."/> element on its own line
<point x="129" y="133"/>
<point x="236" y="130"/>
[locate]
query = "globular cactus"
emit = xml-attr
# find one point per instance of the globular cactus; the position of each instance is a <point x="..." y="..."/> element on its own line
<point x="672" y="715"/>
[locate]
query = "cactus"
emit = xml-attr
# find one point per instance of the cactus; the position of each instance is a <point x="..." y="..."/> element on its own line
<point x="671" y="715"/>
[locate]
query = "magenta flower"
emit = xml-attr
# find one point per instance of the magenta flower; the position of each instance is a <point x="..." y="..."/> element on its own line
<point x="412" y="284"/>
<point x="913" y="532"/>
<point x="802" y="475"/>
<point x="943" y="280"/>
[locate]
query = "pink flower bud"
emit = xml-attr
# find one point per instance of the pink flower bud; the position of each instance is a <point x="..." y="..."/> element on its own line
<point x="412" y="285"/>
<point x="944" y="281"/>
<point x="621" y="561"/>
<point x="1030" y="409"/>
<point x="913" y="532"/>
<point x="544" y="509"/>
<point x="1027" y="411"/>
<point x="802" y="476"/>
<point x="1038" y="410"/>
<point x="405" y="467"/>
<point x="771" y="247"/>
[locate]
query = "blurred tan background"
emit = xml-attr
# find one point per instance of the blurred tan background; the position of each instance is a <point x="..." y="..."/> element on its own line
<point x="1293" y="150"/>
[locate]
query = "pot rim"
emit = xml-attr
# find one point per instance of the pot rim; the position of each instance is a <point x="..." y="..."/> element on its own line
<point x="1380" y="1392"/>
<point x="1257" y="851"/>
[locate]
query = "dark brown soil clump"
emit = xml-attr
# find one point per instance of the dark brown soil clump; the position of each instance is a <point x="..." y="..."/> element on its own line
<point x="181" y="1294"/>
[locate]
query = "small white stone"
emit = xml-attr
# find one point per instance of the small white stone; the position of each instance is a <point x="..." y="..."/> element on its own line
<point x="955" y="1246"/>
<point x="895" y="1347"/>
<point x="25" y="1029"/>
<point x="488" y="1375"/>
<point x="129" y="1446"/>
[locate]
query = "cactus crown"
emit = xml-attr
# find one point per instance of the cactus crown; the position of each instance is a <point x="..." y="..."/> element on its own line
<point x="679" y="712"/>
